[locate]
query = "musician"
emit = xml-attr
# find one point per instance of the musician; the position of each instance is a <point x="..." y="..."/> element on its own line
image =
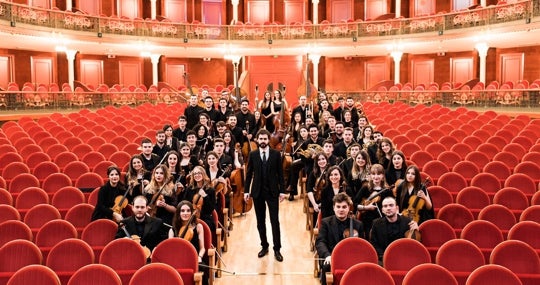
<point x="180" y="133"/>
<point x="236" y="130"/>
<point x="396" y="168"/>
<point x="209" y="109"/>
<point x="306" y="162"/>
<point x="338" y="112"/>
<point x="223" y="158"/>
<point x="279" y="102"/>
<point x="335" y="183"/>
<point x="260" y="122"/>
<point x="296" y="124"/>
<point x="151" y="230"/>
<point x="161" y="192"/>
<point x="192" y="111"/>
<point x="348" y="121"/>
<point x="351" y="153"/>
<point x="182" y="216"/>
<point x="412" y="185"/>
<point x="149" y="159"/>
<point x="160" y="148"/>
<point x="204" y="141"/>
<point x="328" y="130"/>
<point x="339" y="127"/>
<point x="202" y="195"/>
<point x="309" y="121"/>
<point x="384" y="153"/>
<point x="223" y="110"/>
<point x="204" y="120"/>
<point x="315" y="182"/>
<point x="323" y="108"/>
<point x="171" y="161"/>
<point x="243" y="116"/>
<point x="340" y="149"/>
<point x="266" y="107"/>
<point x="376" y="189"/>
<point x="349" y="106"/>
<point x="230" y="143"/>
<point x="170" y="140"/>
<point x="137" y="177"/>
<point x="107" y="195"/>
<point x="390" y="227"/>
<point x="186" y="161"/>
<point x="221" y="127"/>
<point x="302" y="108"/>
<point x="328" y="149"/>
<point x="265" y="184"/>
<point x="332" y="229"/>
<point x="359" y="175"/>
<point x="365" y="138"/>
<point x="374" y="147"/>
<point x="362" y="122"/>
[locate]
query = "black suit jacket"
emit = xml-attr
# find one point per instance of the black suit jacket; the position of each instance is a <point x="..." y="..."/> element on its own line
<point x="329" y="235"/>
<point x="154" y="231"/>
<point x="254" y="175"/>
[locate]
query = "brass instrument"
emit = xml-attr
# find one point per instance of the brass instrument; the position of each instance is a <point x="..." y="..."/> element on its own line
<point x="311" y="150"/>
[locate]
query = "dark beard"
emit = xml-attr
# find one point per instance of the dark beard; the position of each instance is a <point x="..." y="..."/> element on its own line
<point x="263" y="145"/>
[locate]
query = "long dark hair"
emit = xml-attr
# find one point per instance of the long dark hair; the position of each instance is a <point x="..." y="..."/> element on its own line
<point x="177" y="221"/>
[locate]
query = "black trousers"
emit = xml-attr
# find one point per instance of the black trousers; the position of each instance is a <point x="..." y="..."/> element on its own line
<point x="260" y="203"/>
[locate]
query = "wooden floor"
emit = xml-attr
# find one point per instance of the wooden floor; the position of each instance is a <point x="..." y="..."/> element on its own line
<point x="244" y="244"/>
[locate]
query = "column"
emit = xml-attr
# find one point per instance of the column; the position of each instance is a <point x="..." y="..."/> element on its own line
<point x="482" y="49"/>
<point x="483" y="3"/>
<point x="155" y="61"/>
<point x="315" y="11"/>
<point x="153" y="9"/>
<point x="235" y="61"/>
<point x="398" y="8"/>
<point x="396" y="55"/>
<point x="69" y="6"/>
<point x="315" y="58"/>
<point x="235" y="9"/>
<point x="70" y="54"/>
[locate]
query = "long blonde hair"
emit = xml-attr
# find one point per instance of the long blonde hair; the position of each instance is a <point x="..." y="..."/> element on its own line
<point x="154" y="186"/>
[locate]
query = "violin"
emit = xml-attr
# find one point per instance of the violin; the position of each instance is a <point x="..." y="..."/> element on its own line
<point x="220" y="186"/>
<point x="136" y="238"/>
<point x="351" y="231"/>
<point x="121" y="201"/>
<point x="180" y="187"/>
<point x="186" y="231"/>
<point x="320" y="184"/>
<point x="375" y="197"/>
<point x="198" y="200"/>
<point x="157" y="196"/>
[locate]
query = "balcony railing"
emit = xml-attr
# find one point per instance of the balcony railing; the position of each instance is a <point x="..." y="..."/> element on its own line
<point x="56" y="19"/>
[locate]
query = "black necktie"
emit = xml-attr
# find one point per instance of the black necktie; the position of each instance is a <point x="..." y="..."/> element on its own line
<point x="264" y="157"/>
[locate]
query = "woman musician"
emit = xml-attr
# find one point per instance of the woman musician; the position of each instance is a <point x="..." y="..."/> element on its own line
<point x="186" y="161"/>
<point x="137" y="177"/>
<point x="162" y="192"/>
<point x="369" y="199"/>
<point x="335" y="183"/>
<point x="187" y="227"/>
<point x="412" y="186"/>
<point x="203" y="196"/>
<point x="266" y="108"/>
<point x="107" y="195"/>
<point x="359" y="174"/>
<point x="315" y="182"/>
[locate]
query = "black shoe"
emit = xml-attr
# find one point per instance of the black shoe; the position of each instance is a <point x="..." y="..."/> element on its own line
<point x="278" y="256"/>
<point x="291" y="197"/>
<point x="263" y="252"/>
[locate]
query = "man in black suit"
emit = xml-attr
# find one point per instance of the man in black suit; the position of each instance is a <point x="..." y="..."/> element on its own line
<point x="390" y="227"/>
<point x="150" y="230"/>
<point x="332" y="231"/>
<point x="263" y="171"/>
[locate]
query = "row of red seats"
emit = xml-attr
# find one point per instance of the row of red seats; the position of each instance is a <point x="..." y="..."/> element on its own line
<point x="460" y="257"/>
<point x="67" y="258"/>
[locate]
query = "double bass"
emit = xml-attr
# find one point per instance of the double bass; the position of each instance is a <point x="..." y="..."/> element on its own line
<point x="281" y="123"/>
<point x="309" y="90"/>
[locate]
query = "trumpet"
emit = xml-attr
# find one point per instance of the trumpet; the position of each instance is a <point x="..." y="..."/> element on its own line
<point x="311" y="150"/>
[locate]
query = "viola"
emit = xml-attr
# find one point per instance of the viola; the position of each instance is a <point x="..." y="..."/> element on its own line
<point x="320" y="184"/>
<point x="121" y="201"/>
<point x="157" y="196"/>
<point x="186" y="231"/>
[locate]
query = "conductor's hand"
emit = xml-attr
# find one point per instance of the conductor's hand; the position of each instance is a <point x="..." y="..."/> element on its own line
<point x="246" y="197"/>
<point x="281" y="197"/>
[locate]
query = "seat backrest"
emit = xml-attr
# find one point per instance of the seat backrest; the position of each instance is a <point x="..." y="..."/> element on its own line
<point x="30" y="197"/>
<point x="89" y="181"/>
<point x="34" y="274"/>
<point x="40" y="214"/>
<point x="467" y="169"/>
<point x="22" y="181"/>
<point x="156" y="273"/>
<point x="53" y="232"/>
<point x="456" y="215"/>
<point x="526" y="231"/>
<point x="14" y="229"/>
<point x="80" y="215"/>
<point x="522" y="182"/>
<point x="369" y="273"/>
<point x="403" y="254"/>
<point x="67" y="197"/>
<point x="351" y="251"/>
<point x="517" y="256"/>
<point x="493" y="274"/>
<point x="487" y="182"/>
<point x="70" y="255"/>
<point x="500" y="215"/>
<point x="473" y="198"/>
<point x="8" y="212"/>
<point x="425" y="274"/>
<point x="165" y="252"/>
<point x="93" y="274"/>
<point x="453" y="182"/>
<point x="55" y="182"/>
<point x="532" y="213"/>
<point x="512" y="198"/>
<point x="460" y="255"/>
<point x="18" y="253"/>
<point x="132" y="257"/>
<point x="99" y="232"/>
